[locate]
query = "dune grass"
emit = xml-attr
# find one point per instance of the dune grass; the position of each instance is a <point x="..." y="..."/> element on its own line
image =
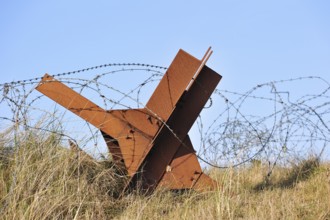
<point x="39" y="179"/>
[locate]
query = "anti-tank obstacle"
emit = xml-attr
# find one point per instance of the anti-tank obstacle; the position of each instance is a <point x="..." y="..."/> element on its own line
<point x="152" y="143"/>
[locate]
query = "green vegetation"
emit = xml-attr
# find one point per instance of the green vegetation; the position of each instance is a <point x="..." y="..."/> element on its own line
<point x="39" y="179"/>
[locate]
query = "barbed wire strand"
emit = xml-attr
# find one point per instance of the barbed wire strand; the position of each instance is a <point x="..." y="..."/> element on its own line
<point x="232" y="138"/>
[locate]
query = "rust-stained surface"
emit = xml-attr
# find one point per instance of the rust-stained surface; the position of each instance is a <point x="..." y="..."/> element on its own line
<point x="184" y="170"/>
<point x="173" y="84"/>
<point x="182" y="118"/>
<point x="133" y="142"/>
<point x="152" y="143"/>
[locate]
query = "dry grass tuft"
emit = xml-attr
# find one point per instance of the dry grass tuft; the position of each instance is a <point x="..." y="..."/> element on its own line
<point x="42" y="180"/>
<point x="39" y="179"/>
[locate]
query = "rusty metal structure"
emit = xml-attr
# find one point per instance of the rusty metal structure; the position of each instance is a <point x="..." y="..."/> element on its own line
<point x="152" y="143"/>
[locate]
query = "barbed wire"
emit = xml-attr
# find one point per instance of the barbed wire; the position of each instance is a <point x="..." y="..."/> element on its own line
<point x="273" y="121"/>
<point x="33" y="80"/>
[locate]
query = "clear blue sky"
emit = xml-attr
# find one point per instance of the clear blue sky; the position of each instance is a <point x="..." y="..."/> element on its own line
<point x="253" y="41"/>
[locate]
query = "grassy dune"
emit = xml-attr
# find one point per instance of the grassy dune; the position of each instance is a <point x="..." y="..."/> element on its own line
<point x="39" y="179"/>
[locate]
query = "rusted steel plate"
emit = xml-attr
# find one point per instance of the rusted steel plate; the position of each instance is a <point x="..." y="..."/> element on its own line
<point x="173" y="84"/>
<point x="135" y="139"/>
<point x="166" y="144"/>
<point x="139" y="119"/>
<point x="204" y="183"/>
<point x="114" y="149"/>
<point x="78" y="104"/>
<point x="134" y="144"/>
<point x="184" y="170"/>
